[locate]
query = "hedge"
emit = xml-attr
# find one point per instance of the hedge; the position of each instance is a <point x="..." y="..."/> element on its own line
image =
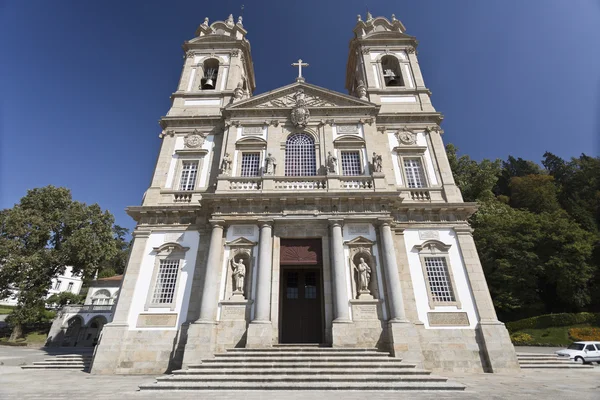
<point x="551" y="320"/>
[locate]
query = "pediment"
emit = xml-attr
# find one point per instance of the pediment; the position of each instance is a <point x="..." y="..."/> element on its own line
<point x="241" y="242"/>
<point x="360" y="241"/>
<point x="349" y="139"/>
<point x="314" y="97"/>
<point x="251" y="141"/>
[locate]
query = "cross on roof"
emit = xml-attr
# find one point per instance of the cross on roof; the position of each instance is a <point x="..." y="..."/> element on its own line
<point x="300" y="64"/>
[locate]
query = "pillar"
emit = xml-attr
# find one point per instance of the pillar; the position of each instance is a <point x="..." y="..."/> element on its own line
<point x="340" y="294"/>
<point x="492" y="335"/>
<point x="200" y="341"/>
<point x="260" y="330"/>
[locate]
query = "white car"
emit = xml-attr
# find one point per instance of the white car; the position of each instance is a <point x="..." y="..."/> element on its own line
<point x="583" y="352"/>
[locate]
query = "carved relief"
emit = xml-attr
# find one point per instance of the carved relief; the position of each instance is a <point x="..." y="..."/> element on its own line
<point x="290" y="100"/>
<point x="252" y="130"/>
<point x="347" y="129"/>
<point x="300" y="113"/>
<point x="194" y="140"/>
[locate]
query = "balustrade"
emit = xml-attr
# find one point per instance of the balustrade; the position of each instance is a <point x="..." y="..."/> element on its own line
<point x="356" y="182"/>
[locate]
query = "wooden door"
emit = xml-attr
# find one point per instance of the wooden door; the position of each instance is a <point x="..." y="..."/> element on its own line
<point x="301" y="305"/>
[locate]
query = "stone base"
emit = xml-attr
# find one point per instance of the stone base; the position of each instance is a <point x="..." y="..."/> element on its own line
<point x="260" y="335"/>
<point x="451" y="350"/>
<point x="231" y="334"/>
<point x="499" y="350"/>
<point x="359" y="334"/>
<point x="200" y="343"/>
<point x="123" y="351"/>
<point x="405" y="342"/>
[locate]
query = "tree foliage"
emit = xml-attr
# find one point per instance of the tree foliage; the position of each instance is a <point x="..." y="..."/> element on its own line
<point x="42" y="235"/>
<point x="536" y="231"/>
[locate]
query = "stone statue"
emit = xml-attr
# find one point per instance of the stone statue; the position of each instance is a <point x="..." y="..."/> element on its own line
<point x="331" y="163"/>
<point x="229" y="21"/>
<point x="376" y="162"/>
<point x="361" y="90"/>
<point x="239" y="273"/>
<point x="364" y="276"/>
<point x="205" y="23"/>
<point x="270" y="164"/>
<point x="299" y="97"/>
<point x="226" y="164"/>
<point x="238" y="92"/>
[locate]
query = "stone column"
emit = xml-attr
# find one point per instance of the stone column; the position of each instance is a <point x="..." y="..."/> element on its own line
<point x="394" y="292"/>
<point x="264" y="276"/>
<point x="338" y="264"/>
<point x="404" y="338"/>
<point x="201" y="334"/>
<point x="493" y="335"/>
<point x="208" y="305"/>
<point x="260" y="330"/>
<point x="108" y="350"/>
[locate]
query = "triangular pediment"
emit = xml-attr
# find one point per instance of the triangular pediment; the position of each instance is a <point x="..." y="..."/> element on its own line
<point x="241" y="242"/>
<point x="314" y="97"/>
<point x="360" y="241"/>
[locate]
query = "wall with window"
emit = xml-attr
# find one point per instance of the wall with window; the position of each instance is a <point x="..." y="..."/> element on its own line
<point x="190" y="172"/>
<point x="439" y="279"/>
<point x="164" y="283"/>
<point x="413" y="164"/>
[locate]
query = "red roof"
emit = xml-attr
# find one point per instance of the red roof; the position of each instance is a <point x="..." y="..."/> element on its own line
<point x="111" y="278"/>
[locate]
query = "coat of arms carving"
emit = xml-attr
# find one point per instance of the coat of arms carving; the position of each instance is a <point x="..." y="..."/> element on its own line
<point x="300" y="113"/>
<point x="194" y="139"/>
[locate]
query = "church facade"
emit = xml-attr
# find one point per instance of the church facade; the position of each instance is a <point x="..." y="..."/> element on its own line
<point x="303" y="216"/>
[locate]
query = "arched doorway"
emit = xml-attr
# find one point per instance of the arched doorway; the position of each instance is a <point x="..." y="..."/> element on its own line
<point x="72" y="331"/>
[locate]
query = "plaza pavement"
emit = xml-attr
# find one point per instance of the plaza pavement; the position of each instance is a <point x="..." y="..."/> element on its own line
<point x="16" y="383"/>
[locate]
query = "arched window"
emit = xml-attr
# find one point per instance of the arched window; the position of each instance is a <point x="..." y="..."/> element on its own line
<point x="101" y="298"/>
<point x="300" y="155"/>
<point x="211" y="72"/>
<point x="391" y="71"/>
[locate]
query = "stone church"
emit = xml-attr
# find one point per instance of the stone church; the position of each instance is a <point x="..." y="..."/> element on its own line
<point x="303" y="216"/>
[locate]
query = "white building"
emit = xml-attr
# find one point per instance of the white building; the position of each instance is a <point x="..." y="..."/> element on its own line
<point x="80" y="325"/>
<point x="66" y="282"/>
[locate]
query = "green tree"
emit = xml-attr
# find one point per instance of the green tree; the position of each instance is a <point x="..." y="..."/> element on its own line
<point x="63" y="298"/>
<point x="514" y="167"/>
<point x="537" y="193"/>
<point x="475" y="180"/>
<point x="41" y="235"/>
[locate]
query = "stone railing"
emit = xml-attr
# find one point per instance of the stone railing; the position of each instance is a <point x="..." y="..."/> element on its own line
<point x="357" y="182"/>
<point x="88" y="308"/>
<point x="182" y="197"/>
<point x="300" y="183"/>
<point x="249" y="183"/>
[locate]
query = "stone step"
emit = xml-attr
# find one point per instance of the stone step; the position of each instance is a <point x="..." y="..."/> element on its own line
<point x="550" y="366"/>
<point x="300" y="364"/>
<point x="301" y="354"/>
<point x="542" y="358"/>
<point x="347" y="359"/>
<point x="536" y="354"/>
<point x="556" y="362"/>
<point x="73" y="367"/>
<point x="276" y="348"/>
<point x="64" y="359"/>
<point x="303" y="371"/>
<point x="48" y="363"/>
<point x="299" y="378"/>
<point x="173" y="385"/>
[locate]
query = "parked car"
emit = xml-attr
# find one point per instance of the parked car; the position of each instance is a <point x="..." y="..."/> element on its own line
<point x="584" y="352"/>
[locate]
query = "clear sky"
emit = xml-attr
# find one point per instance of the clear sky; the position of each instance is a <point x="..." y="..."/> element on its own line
<point x="83" y="83"/>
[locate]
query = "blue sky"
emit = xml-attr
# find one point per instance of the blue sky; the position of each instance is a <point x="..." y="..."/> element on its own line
<point x="85" y="82"/>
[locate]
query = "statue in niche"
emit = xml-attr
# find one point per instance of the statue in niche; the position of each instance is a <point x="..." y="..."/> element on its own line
<point x="226" y="164"/>
<point x="331" y="163"/>
<point x="239" y="273"/>
<point x="270" y="164"/>
<point x="364" y="278"/>
<point x="376" y="162"/>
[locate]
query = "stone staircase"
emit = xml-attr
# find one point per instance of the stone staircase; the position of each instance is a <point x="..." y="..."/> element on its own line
<point x="302" y="368"/>
<point x="547" y="361"/>
<point x="78" y="362"/>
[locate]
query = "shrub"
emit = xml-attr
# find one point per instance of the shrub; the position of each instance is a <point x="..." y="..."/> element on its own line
<point x="551" y="320"/>
<point x="579" y="334"/>
<point x="521" y="338"/>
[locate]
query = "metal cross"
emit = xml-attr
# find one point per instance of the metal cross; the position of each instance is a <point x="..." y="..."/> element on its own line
<point x="300" y="64"/>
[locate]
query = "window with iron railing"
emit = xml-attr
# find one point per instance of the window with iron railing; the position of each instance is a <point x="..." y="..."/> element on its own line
<point x="300" y="155"/>
<point x="189" y="171"/>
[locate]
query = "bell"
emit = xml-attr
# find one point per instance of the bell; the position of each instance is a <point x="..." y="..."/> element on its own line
<point x="209" y="84"/>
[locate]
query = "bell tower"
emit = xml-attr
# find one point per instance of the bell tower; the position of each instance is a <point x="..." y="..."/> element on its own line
<point x="217" y="70"/>
<point x="383" y="67"/>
